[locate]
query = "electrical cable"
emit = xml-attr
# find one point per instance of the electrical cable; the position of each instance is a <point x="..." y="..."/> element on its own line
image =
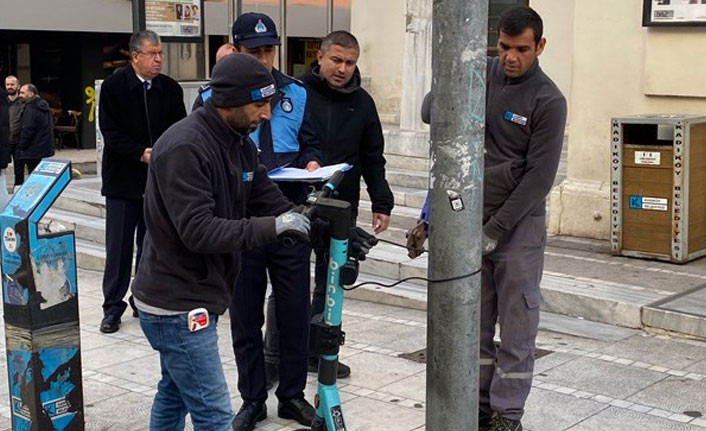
<point x="388" y="286"/>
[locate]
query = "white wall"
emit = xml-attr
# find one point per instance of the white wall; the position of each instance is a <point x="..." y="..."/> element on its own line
<point x="617" y="66"/>
<point x="379" y="26"/>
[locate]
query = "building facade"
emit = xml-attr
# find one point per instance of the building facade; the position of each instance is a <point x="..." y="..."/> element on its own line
<point x="63" y="46"/>
<point x="598" y="53"/>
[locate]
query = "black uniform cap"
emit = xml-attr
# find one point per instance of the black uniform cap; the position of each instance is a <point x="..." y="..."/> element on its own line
<point x="253" y="30"/>
<point x="239" y="79"/>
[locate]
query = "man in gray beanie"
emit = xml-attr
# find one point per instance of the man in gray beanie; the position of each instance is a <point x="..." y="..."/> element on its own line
<point x="203" y="178"/>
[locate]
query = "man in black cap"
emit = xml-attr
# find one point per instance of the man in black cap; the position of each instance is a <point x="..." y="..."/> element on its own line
<point x="287" y="138"/>
<point x="204" y="178"/>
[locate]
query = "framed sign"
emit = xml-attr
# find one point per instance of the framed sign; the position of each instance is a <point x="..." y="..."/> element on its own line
<point x="674" y="13"/>
<point x="172" y="20"/>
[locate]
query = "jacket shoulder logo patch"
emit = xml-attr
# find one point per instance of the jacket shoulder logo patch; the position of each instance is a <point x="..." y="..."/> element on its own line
<point x="286" y="104"/>
<point x="248" y="176"/>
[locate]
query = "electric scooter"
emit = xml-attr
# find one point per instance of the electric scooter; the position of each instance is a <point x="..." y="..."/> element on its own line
<point x="326" y="336"/>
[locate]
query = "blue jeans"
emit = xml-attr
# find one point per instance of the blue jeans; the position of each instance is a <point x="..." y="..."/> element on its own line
<point x="192" y="376"/>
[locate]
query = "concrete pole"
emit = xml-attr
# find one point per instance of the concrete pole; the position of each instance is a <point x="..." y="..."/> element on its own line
<point x="459" y="43"/>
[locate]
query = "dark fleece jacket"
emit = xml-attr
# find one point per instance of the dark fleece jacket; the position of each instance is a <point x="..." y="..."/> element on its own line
<point x="349" y="131"/>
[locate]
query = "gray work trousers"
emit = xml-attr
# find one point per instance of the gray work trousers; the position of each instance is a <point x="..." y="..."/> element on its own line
<point x="510" y="296"/>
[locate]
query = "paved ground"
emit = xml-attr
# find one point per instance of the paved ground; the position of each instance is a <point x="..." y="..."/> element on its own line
<point x="596" y="377"/>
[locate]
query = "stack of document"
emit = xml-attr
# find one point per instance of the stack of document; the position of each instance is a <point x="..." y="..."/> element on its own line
<point x="295" y="174"/>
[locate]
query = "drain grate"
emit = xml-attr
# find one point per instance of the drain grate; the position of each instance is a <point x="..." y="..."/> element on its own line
<point x="420" y="356"/>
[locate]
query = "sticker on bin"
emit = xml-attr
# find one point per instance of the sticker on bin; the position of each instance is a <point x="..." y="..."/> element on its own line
<point x="655" y="204"/>
<point x="647" y="157"/>
<point x="648" y="203"/>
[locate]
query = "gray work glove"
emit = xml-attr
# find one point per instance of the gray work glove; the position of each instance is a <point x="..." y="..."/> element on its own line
<point x="292" y="226"/>
<point x="488" y="245"/>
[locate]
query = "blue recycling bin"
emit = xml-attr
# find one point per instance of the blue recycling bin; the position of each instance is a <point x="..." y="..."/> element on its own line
<point x="40" y="301"/>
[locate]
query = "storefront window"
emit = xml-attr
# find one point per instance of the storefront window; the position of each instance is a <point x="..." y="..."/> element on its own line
<point x="496" y="8"/>
<point x="270" y="8"/>
<point x="342" y="15"/>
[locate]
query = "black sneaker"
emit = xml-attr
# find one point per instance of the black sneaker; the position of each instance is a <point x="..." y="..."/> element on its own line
<point x="501" y="423"/>
<point x="298" y="409"/>
<point x="249" y="415"/>
<point x="485" y="421"/>
<point x="342" y="371"/>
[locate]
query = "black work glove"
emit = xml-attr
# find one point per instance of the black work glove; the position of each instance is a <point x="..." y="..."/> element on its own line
<point x="359" y="243"/>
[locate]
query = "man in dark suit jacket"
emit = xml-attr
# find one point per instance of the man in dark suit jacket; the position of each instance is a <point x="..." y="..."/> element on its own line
<point x="137" y="104"/>
<point x="36" y="136"/>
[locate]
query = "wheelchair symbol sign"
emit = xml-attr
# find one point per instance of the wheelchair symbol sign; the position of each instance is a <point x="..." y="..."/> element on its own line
<point x="635" y="202"/>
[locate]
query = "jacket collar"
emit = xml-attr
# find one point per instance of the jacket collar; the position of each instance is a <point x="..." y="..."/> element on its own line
<point x="532" y="71"/>
<point x="223" y="133"/>
<point x="135" y="82"/>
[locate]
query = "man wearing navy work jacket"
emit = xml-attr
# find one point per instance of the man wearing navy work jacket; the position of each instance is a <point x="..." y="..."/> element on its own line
<point x="286" y="139"/>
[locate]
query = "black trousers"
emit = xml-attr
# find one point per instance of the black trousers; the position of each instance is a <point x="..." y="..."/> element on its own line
<point x="124" y="226"/>
<point x="19" y="168"/>
<point x="288" y="268"/>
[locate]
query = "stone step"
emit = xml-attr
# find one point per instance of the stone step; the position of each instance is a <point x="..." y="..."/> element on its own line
<point x="80" y="200"/>
<point x="586" y="298"/>
<point x="404" y="196"/>
<point x="402" y="217"/>
<point x="86" y="227"/>
<point x="684" y="313"/>
<point x="406" y="142"/>
<point x="407" y="178"/>
<point x="90" y="255"/>
<point x="596" y="300"/>
<point x="395" y="161"/>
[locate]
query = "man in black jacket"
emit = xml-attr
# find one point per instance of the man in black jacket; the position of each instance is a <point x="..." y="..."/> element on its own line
<point x="208" y="201"/>
<point x="12" y="87"/>
<point x="349" y="131"/>
<point x="36" y="136"/>
<point x="137" y="104"/>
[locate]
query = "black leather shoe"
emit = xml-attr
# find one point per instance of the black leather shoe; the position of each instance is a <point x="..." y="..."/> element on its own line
<point x="342" y="372"/>
<point x="249" y="415"/>
<point x="109" y="325"/>
<point x="135" y="313"/>
<point x="298" y="409"/>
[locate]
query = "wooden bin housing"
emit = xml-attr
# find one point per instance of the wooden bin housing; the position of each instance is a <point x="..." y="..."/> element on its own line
<point x="658" y="187"/>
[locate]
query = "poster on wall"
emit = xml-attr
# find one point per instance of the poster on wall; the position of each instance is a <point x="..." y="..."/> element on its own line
<point x="673" y="13"/>
<point x="172" y="20"/>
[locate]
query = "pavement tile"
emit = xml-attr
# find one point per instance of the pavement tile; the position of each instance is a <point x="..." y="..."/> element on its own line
<point x="616" y="419"/>
<point x="388" y="417"/>
<point x="674" y="394"/>
<point x="670" y="353"/>
<point x="412" y="387"/>
<point x="95" y="391"/>
<point x="550" y="361"/>
<point x="699" y="367"/>
<point x="551" y="411"/>
<point x="116" y="353"/>
<point x="605" y="378"/>
<point x="389" y="335"/>
<point x="127" y="412"/>
<point x="374" y="371"/>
